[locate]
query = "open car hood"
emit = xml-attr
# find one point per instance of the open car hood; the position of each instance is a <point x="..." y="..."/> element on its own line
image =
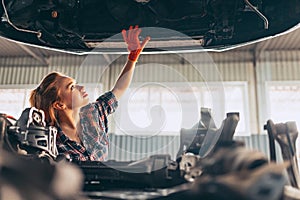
<point x="94" y="26"/>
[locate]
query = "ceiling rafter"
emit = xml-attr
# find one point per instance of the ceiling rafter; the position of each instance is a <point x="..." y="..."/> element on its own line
<point x="35" y="54"/>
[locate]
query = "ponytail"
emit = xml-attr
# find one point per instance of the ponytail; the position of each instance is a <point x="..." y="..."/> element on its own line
<point x="45" y="95"/>
<point x="33" y="99"/>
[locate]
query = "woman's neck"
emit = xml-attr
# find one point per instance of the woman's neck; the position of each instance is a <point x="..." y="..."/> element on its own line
<point x="69" y="118"/>
<point x="69" y="122"/>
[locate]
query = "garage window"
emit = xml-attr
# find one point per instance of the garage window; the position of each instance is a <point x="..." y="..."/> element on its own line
<point x="166" y="108"/>
<point x="283" y="100"/>
<point x="15" y="99"/>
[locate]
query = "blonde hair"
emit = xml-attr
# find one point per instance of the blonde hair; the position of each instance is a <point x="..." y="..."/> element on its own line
<point x="45" y="95"/>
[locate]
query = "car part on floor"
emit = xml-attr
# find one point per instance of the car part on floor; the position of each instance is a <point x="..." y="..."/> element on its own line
<point x="29" y="135"/>
<point x="285" y="134"/>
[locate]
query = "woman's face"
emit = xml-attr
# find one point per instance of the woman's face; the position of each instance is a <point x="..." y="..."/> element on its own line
<point x="73" y="96"/>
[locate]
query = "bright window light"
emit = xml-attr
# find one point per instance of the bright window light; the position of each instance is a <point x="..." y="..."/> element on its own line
<point x="15" y="99"/>
<point x="166" y="108"/>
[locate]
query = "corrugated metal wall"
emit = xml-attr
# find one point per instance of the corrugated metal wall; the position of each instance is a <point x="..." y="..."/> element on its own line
<point x="128" y="148"/>
<point x="279" y="66"/>
<point x="86" y="69"/>
<point x="193" y="67"/>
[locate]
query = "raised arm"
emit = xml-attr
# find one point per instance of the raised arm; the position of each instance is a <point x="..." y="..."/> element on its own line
<point x="134" y="47"/>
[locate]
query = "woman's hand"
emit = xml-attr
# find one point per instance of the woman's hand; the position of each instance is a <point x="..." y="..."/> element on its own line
<point x="134" y="46"/>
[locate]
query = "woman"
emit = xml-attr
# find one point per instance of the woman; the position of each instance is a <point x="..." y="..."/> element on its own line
<point x="82" y="126"/>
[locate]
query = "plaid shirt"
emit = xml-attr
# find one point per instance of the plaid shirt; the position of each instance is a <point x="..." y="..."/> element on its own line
<point x="94" y="136"/>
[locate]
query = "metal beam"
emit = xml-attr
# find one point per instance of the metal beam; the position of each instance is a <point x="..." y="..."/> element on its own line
<point x="35" y="54"/>
<point x="107" y="58"/>
<point x="259" y="48"/>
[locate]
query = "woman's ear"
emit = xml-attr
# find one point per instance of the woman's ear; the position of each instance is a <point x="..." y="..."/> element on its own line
<point x="58" y="105"/>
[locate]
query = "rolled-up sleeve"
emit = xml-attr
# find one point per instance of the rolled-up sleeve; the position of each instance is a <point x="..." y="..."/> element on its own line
<point x="94" y="123"/>
<point x="108" y="102"/>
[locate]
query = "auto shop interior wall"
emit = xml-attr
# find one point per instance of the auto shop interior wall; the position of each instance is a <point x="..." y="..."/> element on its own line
<point x="281" y="66"/>
<point x="26" y="70"/>
<point x="193" y="67"/>
<point x="190" y="68"/>
<point x="196" y="67"/>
